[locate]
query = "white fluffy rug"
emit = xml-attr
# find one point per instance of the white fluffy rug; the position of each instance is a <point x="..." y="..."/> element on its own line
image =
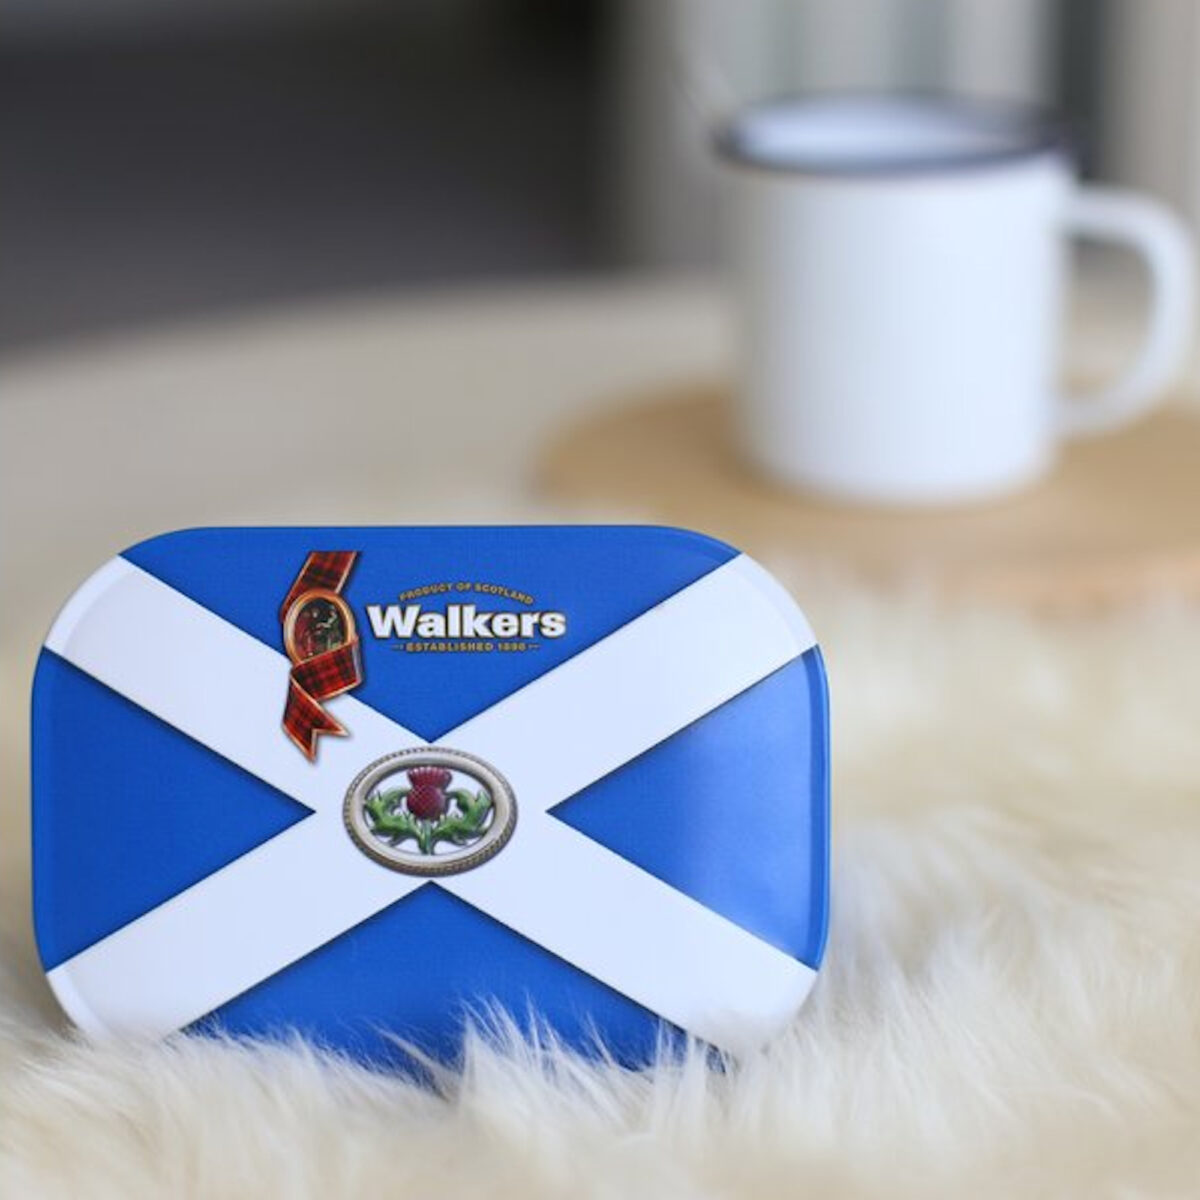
<point x="1010" y="1005"/>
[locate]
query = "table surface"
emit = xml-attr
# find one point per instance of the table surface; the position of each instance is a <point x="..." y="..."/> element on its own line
<point x="1117" y="521"/>
<point x="381" y="410"/>
<point x="438" y="406"/>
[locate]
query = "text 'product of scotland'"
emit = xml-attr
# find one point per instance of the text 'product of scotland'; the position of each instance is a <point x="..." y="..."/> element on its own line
<point x="366" y="781"/>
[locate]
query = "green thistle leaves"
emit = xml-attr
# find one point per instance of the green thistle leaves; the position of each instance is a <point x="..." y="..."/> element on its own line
<point x="396" y="824"/>
<point x="464" y="821"/>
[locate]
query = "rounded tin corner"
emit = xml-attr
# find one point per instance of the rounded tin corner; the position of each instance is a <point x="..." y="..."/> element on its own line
<point x="81" y="599"/>
<point x="60" y="981"/>
<point x="758" y="576"/>
<point x="723" y="551"/>
<point x="780" y="600"/>
<point x="80" y="602"/>
<point x="71" y="1001"/>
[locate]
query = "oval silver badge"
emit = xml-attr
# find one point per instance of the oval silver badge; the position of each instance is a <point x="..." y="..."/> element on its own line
<point x="433" y="811"/>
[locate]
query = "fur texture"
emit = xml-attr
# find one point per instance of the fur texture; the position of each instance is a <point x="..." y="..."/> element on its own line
<point x="1009" y="1003"/>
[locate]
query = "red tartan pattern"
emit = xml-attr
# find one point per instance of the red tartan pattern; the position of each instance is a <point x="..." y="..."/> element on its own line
<point x="325" y="569"/>
<point x="324" y="676"/>
<point x="312" y="681"/>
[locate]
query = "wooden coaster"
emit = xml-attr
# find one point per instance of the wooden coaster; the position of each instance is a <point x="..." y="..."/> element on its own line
<point x="1118" y="520"/>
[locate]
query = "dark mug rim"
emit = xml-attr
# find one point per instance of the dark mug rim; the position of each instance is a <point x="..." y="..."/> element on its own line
<point x="1034" y="130"/>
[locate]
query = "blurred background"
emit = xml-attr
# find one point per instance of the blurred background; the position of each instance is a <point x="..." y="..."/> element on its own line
<point x="169" y="161"/>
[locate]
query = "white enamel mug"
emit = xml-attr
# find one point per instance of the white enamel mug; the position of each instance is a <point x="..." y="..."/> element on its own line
<point x="900" y="268"/>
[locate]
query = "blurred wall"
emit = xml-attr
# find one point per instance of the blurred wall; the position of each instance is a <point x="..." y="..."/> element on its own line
<point x="1125" y="72"/>
<point x="188" y="164"/>
<point x="41" y="21"/>
<point x="1152" y="101"/>
<point x="169" y="156"/>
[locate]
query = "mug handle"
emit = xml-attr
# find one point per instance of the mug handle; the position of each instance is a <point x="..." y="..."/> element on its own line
<point x="1165" y="244"/>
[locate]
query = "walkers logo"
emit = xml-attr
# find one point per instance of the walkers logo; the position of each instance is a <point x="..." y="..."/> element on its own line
<point x="432" y="618"/>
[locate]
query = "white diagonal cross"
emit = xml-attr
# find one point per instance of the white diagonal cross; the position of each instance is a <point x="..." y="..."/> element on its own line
<point x="551" y="738"/>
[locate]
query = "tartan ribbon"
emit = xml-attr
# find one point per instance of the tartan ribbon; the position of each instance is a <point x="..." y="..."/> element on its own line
<point x="323" y="570"/>
<point x="318" y="677"/>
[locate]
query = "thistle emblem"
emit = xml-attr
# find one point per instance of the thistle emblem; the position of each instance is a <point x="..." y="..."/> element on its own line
<point x="426" y="798"/>
<point x="430" y="812"/>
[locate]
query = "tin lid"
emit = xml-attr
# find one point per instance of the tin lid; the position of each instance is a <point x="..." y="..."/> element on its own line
<point x="354" y="781"/>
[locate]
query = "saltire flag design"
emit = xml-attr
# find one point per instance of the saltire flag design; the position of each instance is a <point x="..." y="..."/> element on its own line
<point x="669" y="756"/>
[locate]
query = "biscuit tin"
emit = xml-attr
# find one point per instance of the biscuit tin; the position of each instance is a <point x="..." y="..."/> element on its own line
<point x="371" y="783"/>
